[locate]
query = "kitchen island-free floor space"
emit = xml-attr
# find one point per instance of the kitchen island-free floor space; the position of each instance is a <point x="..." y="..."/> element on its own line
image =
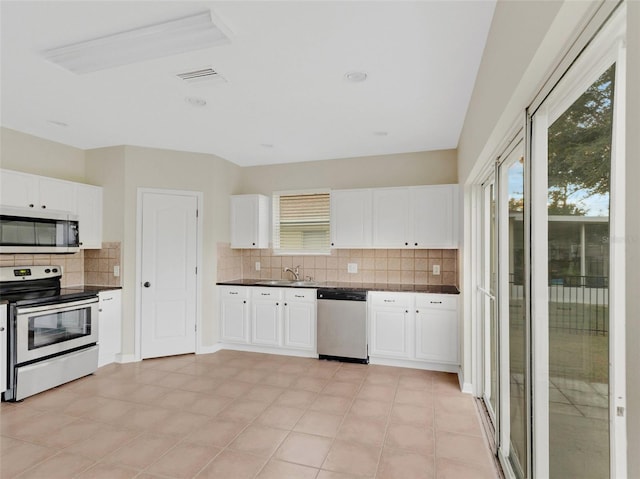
<point x="245" y="415"/>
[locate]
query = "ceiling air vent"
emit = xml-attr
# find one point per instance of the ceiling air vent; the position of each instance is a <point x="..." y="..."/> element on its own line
<point x="203" y="75"/>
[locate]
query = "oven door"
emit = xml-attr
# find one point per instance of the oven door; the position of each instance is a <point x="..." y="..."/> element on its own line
<point x="55" y="328"/>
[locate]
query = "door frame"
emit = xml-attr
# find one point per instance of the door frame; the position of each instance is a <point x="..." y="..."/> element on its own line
<point x="138" y="284"/>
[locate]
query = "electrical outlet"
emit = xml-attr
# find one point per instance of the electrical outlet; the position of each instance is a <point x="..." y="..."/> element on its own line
<point x="436" y="269"/>
<point x="257" y="265"/>
<point x="352" y="267"/>
<point x="116" y="270"/>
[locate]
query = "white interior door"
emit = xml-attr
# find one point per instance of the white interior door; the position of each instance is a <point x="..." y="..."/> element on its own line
<point x="168" y="274"/>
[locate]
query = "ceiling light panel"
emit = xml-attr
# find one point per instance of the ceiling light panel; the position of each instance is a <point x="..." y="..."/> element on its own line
<point x="152" y="41"/>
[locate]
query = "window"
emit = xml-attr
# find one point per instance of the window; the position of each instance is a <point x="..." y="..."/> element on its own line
<point x="301" y="222"/>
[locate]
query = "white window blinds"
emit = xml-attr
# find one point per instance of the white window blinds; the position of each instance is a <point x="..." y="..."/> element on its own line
<point x="301" y="222"/>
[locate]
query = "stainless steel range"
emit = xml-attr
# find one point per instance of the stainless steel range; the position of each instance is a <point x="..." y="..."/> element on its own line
<point x="52" y="331"/>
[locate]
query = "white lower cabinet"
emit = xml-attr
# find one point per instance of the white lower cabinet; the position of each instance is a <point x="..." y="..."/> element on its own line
<point x="437" y="328"/>
<point x="266" y="316"/>
<point x="279" y="320"/>
<point x="234" y="314"/>
<point x="109" y="326"/>
<point x="390" y="321"/>
<point x="300" y="319"/>
<point x="416" y="329"/>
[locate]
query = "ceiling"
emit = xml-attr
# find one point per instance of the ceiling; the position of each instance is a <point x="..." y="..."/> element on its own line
<point x="285" y="99"/>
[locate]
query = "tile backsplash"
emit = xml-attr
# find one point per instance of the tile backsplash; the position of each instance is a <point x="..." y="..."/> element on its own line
<point x="83" y="267"/>
<point x="398" y="266"/>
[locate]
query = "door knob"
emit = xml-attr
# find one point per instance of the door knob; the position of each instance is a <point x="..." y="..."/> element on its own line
<point x="146" y="284"/>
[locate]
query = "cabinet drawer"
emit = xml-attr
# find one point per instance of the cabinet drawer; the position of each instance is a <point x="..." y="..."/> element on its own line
<point x="391" y="300"/>
<point x="238" y="292"/>
<point x="437" y="301"/>
<point x="297" y="294"/>
<point x="266" y="293"/>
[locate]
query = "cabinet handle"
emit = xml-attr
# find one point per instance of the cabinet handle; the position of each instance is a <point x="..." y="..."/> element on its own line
<point x="107" y="299"/>
<point x="298" y="296"/>
<point x="253" y="244"/>
<point x="1" y="329"/>
<point x="244" y="302"/>
<point x="415" y="244"/>
<point x="332" y="244"/>
<point x="31" y="205"/>
<point x="100" y="310"/>
<point x="277" y="304"/>
<point x="285" y="304"/>
<point x="417" y="311"/>
<point x="233" y="292"/>
<point x="406" y="244"/>
<point x="389" y="300"/>
<point x="435" y="302"/>
<point x="265" y="294"/>
<point x="44" y="206"/>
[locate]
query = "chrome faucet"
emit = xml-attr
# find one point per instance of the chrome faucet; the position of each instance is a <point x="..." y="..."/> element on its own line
<point x="295" y="272"/>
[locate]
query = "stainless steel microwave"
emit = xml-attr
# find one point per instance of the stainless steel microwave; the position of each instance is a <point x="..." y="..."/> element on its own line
<point x="26" y="231"/>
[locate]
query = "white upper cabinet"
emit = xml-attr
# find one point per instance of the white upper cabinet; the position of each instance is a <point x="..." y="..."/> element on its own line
<point x="38" y="192"/>
<point x="415" y="217"/>
<point x="391" y="217"/>
<point x="434" y="216"/>
<point x="351" y="225"/>
<point x="89" y="210"/>
<point x="56" y="195"/>
<point x="249" y="221"/>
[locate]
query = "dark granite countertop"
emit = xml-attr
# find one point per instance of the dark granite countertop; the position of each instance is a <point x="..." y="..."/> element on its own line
<point x="91" y="288"/>
<point x="403" y="288"/>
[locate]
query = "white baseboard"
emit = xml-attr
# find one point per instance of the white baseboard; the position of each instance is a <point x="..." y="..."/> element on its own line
<point x="406" y="363"/>
<point x="126" y="358"/>
<point x="210" y="349"/>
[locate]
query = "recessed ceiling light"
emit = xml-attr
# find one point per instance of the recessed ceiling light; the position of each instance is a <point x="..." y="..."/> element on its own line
<point x="380" y="133"/>
<point x="148" y="42"/>
<point x="58" y="123"/>
<point x="195" y="101"/>
<point x="356" y="76"/>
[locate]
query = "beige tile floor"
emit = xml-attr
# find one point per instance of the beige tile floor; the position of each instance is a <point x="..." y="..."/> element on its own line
<point x="237" y="415"/>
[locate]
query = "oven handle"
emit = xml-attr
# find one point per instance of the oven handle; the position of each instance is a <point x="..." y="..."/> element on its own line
<point x="57" y="306"/>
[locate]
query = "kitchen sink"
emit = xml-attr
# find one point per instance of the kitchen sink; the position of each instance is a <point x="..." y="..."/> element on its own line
<point x="286" y="282"/>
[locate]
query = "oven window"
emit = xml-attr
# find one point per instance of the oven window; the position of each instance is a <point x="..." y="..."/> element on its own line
<point x="58" y="327"/>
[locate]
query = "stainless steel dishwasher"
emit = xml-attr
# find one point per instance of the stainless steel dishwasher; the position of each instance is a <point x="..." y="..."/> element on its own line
<point x="342" y="325"/>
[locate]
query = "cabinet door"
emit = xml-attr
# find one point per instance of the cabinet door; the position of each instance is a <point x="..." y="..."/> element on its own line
<point x="265" y="322"/>
<point x="434" y="216"/>
<point x="391" y="218"/>
<point x="249" y="221"/>
<point x="3" y="348"/>
<point x="265" y="316"/>
<point x="18" y="189"/>
<point x="300" y="325"/>
<point x="390" y="332"/>
<point x="234" y="314"/>
<point x="56" y="195"/>
<point x="437" y="328"/>
<point x="351" y="218"/>
<point x="109" y="326"/>
<point x="89" y="210"/>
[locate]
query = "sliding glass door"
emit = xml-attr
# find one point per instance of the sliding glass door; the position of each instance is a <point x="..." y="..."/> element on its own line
<point x="578" y="198"/>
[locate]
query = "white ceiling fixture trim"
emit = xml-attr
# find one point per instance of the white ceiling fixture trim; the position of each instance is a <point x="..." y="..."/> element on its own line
<point x="164" y="39"/>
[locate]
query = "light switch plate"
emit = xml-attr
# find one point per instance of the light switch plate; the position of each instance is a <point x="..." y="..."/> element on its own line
<point x="352" y="267"/>
<point x="257" y="265"/>
<point x="436" y="269"/>
<point x="116" y="270"/>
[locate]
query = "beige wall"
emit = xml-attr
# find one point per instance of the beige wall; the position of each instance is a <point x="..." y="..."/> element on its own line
<point x="30" y="154"/>
<point x="128" y="168"/>
<point x="407" y="169"/>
